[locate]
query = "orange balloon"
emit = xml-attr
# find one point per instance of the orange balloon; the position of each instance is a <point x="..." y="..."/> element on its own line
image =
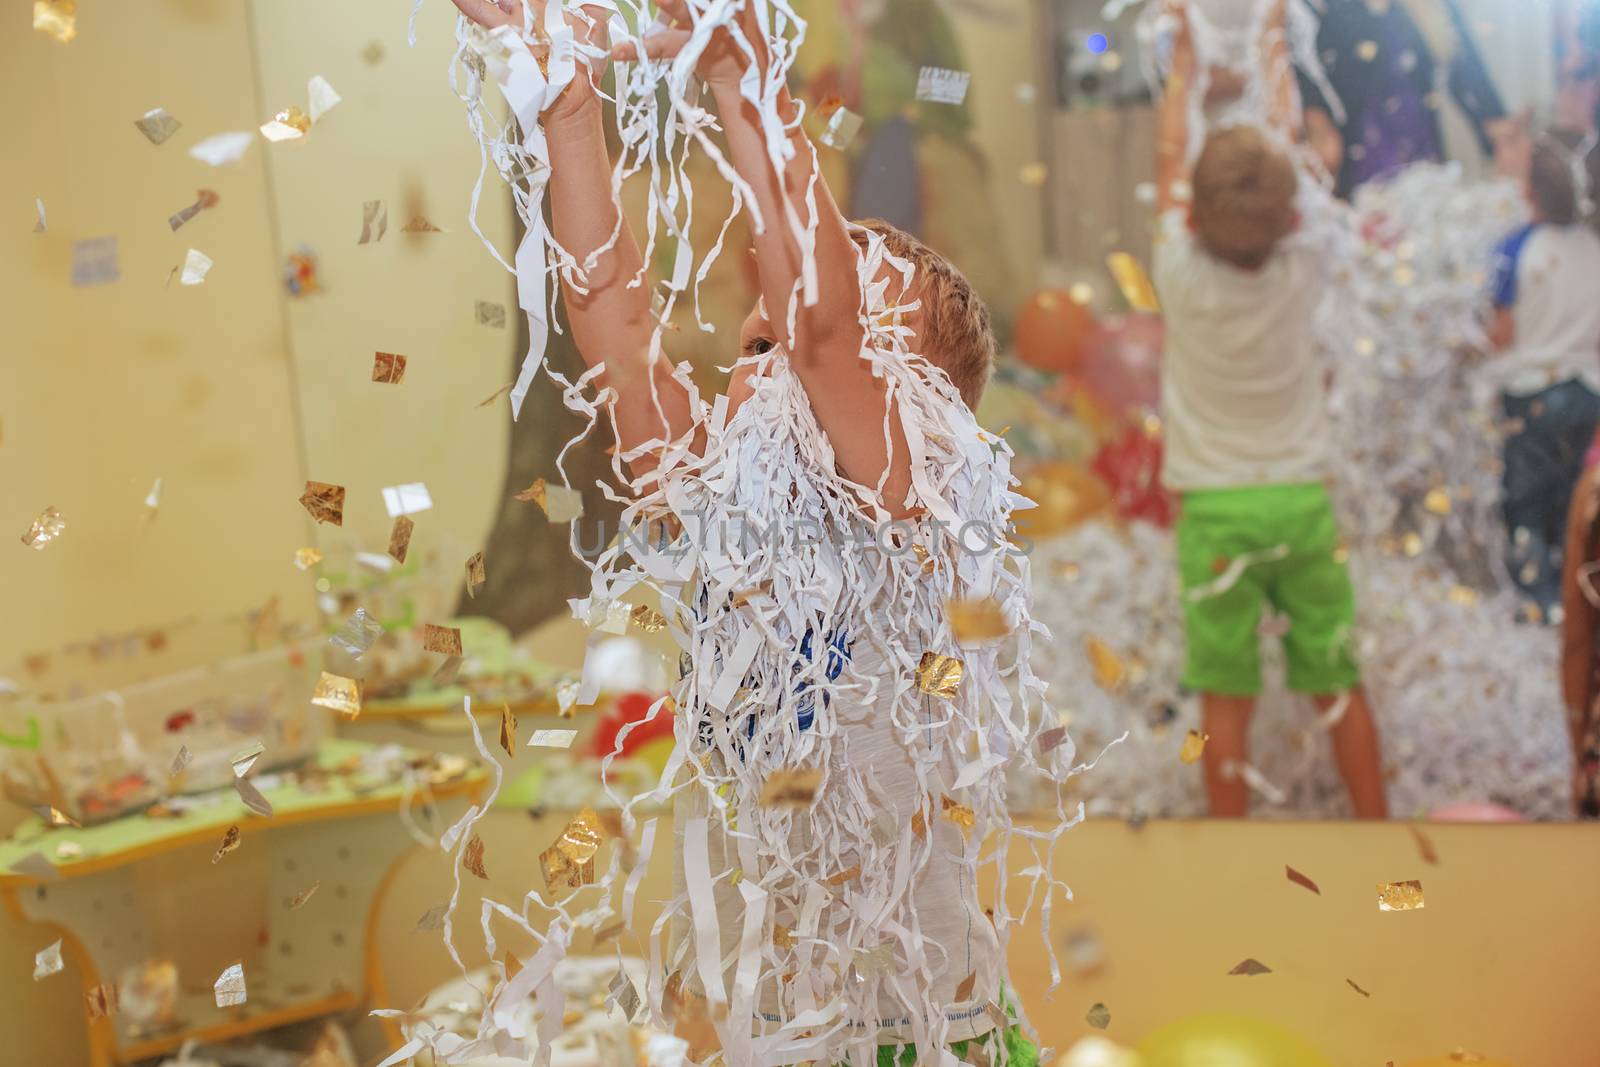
<point x="1456" y="1061"/>
<point x="1067" y="494"/>
<point x="1053" y="331"/>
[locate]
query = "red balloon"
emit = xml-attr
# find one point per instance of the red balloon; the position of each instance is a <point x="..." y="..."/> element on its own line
<point x="1131" y="466"/>
<point x="1053" y="332"/>
<point x="1123" y="368"/>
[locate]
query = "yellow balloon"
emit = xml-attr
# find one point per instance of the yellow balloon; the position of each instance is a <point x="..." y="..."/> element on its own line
<point x="1067" y="494"/>
<point x="1227" y="1041"/>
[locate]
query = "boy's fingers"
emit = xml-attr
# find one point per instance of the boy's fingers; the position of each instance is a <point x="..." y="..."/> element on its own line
<point x="661" y="45"/>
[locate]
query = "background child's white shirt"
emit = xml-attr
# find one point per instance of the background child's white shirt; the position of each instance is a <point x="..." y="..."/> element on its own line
<point x="1555" y="303"/>
<point x="1243" y="400"/>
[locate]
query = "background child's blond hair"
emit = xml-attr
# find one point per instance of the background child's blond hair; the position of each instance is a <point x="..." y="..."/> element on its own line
<point x="1244" y="196"/>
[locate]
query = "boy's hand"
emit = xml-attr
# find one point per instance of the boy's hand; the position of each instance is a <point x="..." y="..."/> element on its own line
<point x="591" y="31"/>
<point x="721" y="65"/>
<point x="1183" y="63"/>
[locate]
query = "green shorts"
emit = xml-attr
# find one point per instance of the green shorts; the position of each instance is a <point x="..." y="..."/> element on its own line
<point x="1020" y="1052"/>
<point x="1287" y="540"/>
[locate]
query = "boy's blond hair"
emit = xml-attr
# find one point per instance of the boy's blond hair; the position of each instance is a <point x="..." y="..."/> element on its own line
<point x="1244" y="190"/>
<point x="956" y="334"/>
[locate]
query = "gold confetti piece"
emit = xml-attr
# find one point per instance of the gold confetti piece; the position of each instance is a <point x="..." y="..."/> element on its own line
<point x="1194" y="746"/>
<point x="445" y="676"/>
<point x="374" y="221"/>
<point x="1367" y="51"/>
<point x="1110" y="673"/>
<point x="287" y="125"/>
<point x="490" y="314"/>
<point x="306" y="558"/>
<point x="1098" y="1016"/>
<point x="1250" y="967"/>
<point x="1400" y="896"/>
<point x="338" y="693"/>
<point x="496" y="395"/>
<point x="1351" y="983"/>
<point x="157" y="125"/>
<point x="443" y="639"/>
<point x="321" y="97"/>
<point x="938" y="675"/>
<point x="1134" y="283"/>
<point x="959" y="814"/>
<point x="1462" y="596"/>
<point x="47" y="961"/>
<point x="648" y="619"/>
<point x="508" y="730"/>
<point x="102" y="1001"/>
<point x="420" y="224"/>
<point x="1437" y="501"/>
<point x="230" y="841"/>
<point x="475" y="574"/>
<point x="388" y="368"/>
<point x="1301" y="880"/>
<point x="304" y="895"/>
<point x="552" y="738"/>
<point x="975" y="621"/>
<point x="791" y="787"/>
<point x="324" y="501"/>
<point x="45" y="529"/>
<point x="1424" y="847"/>
<point x="55" y="816"/>
<point x="782" y="936"/>
<point x="432" y="919"/>
<point x="569" y="862"/>
<point x="252" y="798"/>
<point x="472" y="858"/>
<point x="844" y="876"/>
<point x="229" y="987"/>
<point x="56" y="18"/>
<point x="400" y="538"/>
<point x="964" y="990"/>
<point x="1033" y="175"/>
<point x="245" y="759"/>
<point x="559" y="503"/>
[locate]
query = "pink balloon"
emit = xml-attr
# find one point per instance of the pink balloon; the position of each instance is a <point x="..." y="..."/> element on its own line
<point x="1474" y="811"/>
<point x="1122" y="369"/>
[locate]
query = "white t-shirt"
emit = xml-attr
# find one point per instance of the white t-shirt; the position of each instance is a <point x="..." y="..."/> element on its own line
<point x="1243" y="401"/>
<point x="1548" y="277"/>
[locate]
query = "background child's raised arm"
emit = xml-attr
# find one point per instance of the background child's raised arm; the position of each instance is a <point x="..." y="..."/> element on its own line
<point x="1172" y="117"/>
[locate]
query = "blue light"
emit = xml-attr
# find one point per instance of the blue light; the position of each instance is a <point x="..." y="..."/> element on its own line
<point x="1098" y="43"/>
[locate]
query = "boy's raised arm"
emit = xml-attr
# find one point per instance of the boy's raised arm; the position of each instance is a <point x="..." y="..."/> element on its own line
<point x="851" y="404"/>
<point x="1172" y="115"/>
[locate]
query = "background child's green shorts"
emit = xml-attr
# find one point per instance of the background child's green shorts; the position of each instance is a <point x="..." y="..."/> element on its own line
<point x="1308" y="584"/>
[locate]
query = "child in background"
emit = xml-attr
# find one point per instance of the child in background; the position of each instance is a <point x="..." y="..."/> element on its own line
<point x="1247" y="433"/>
<point x="1546" y="326"/>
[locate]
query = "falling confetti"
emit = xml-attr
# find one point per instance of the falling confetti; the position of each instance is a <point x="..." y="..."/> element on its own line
<point x="842" y="127"/>
<point x="57" y="19"/>
<point x="552" y="738"/>
<point x="38" y="204"/>
<point x="338" y="693"/>
<point x="959" y="814"/>
<point x="1437" y="501"/>
<point x="569" y="863"/>
<point x="229" y="987"/>
<point x="558" y="503"/>
<point x="939" y="675"/>
<point x="472" y="859"/>
<point x="791" y="787"/>
<point x="1351" y="983"/>
<point x="325" y="502"/>
<point x="304" y="895"/>
<point x="157" y="125"/>
<point x="230" y="841"/>
<point x="490" y="314"/>
<point x="300" y="273"/>
<point x="647" y="618"/>
<point x="102" y="1001"/>
<point x="508" y="730"/>
<point x="496" y="395"/>
<point x="94" y="262"/>
<point x="45" y="529"/>
<point x="1134" y="283"/>
<point x="1052" y="738"/>
<point x="152" y="499"/>
<point x="388" y="368"/>
<point x="321" y="96"/>
<point x="1110" y="673"/>
<point x="359" y="632"/>
<point x="400" y="538"/>
<point x="432" y="919"/>
<point x="1250" y="967"/>
<point x="443" y="639"/>
<point x="475" y="574"/>
<point x="47" y="961"/>
<point x="373" y="54"/>
<point x="940" y="86"/>
<point x="287" y="125"/>
<point x="54" y="816"/>
<point x="180" y="761"/>
<point x="223" y="148"/>
<point x="1098" y="1016"/>
<point x="1400" y="896"/>
<point x="252" y="798"/>
<point x="975" y="621"/>
<point x="374" y="221"/>
<point x="196" y="265"/>
<point x="1194" y="746"/>
<point x="1300" y="880"/>
<point x="1424" y="847"/>
<point x="306" y="558"/>
<point x="407" y="499"/>
<point x="445" y="676"/>
<point x="419" y="224"/>
<point x="245" y="759"/>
